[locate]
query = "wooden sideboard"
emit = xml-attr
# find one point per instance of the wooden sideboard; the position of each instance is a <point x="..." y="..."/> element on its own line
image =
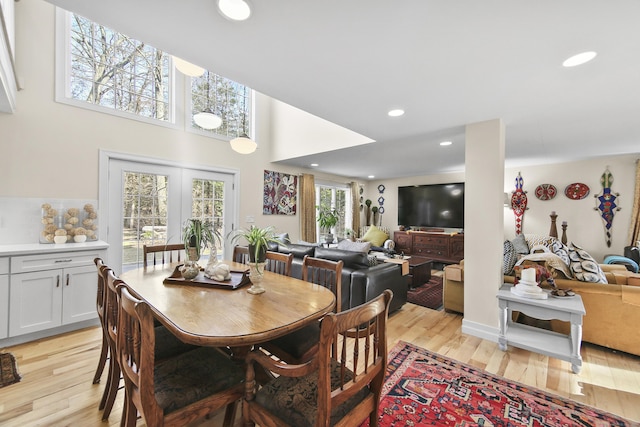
<point x="442" y="247"/>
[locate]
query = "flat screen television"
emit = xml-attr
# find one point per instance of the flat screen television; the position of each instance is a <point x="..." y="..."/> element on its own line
<point x="435" y="205"/>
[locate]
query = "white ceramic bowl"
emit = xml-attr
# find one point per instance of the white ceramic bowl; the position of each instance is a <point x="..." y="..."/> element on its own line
<point x="80" y="238"/>
<point x="60" y="239"/>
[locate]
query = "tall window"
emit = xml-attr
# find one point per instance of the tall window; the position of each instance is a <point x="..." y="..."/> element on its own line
<point x="333" y="196"/>
<point x="115" y="71"/>
<point x="227" y="99"/>
<point x="102" y="69"/>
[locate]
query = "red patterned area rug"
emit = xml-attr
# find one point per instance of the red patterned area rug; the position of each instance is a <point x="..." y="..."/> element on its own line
<point x="8" y="370"/>
<point x="425" y="389"/>
<point x="428" y="295"/>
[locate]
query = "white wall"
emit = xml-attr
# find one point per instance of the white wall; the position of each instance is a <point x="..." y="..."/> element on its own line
<point x="50" y="150"/>
<point x="585" y="227"/>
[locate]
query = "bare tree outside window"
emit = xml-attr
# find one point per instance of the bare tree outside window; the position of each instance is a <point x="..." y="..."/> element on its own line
<point x="115" y="71"/>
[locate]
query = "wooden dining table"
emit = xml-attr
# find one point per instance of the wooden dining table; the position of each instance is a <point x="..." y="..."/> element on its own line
<point x="213" y="316"/>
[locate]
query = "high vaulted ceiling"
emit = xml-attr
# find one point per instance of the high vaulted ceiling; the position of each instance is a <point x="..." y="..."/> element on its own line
<point x="446" y="63"/>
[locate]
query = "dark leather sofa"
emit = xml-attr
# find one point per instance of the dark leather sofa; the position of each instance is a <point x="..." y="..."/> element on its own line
<point x="360" y="281"/>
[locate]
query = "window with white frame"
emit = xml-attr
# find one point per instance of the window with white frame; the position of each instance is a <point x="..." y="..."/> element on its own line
<point x="105" y="70"/>
<point x="335" y="197"/>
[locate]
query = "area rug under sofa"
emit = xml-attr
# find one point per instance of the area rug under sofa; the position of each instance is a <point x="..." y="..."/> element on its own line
<point x="423" y="388"/>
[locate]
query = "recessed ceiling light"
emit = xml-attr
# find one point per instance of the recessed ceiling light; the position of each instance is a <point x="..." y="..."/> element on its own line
<point x="395" y="113"/>
<point x="444" y="143"/>
<point x="579" y="59"/>
<point x="371" y="176"/>
<point x="315" y="165"/>
<point x="236" y="10"/>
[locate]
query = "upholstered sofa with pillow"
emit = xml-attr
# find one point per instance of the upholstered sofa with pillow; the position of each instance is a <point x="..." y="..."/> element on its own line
<point x="611" y="296"/>
<point x="363" y="277"/>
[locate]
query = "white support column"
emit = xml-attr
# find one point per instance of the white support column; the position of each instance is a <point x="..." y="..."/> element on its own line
<point x="484" y="226"/>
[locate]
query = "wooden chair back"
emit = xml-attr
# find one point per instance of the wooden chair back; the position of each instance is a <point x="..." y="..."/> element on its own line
<point x="279" y="263"/>
<point x="326" y="273"/>
<point x="111" y="282"/>
<point x="190" y="385"/>
<point x="351" y="365"/>
<point x="164" y="253"/>
<point x="241" y="254"/>
<point x="100" y="300"/>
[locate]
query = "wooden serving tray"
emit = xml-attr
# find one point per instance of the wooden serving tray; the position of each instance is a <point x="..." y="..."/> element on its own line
<point x="238" y="279"/>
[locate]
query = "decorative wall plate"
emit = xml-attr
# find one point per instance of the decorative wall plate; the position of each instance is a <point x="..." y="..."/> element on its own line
<point x="381" y="200"/>
<point x="381" y="209"/>
<point x="576" y="191"/>
<point x="546" y="191"/>
<point x="381" y="188"/>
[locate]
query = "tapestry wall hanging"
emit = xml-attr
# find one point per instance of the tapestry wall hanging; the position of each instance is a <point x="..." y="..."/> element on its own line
<point x="606" y="204"/>
<point x="280" y="193"/>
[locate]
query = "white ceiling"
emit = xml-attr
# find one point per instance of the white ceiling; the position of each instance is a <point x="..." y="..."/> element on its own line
<point x="447" y="63"/>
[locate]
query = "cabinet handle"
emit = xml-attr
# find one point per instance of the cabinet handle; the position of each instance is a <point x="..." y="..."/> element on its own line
<point x="67" y="284"/>
<point x="58" y="281"/>
<point x="62" y="260"/>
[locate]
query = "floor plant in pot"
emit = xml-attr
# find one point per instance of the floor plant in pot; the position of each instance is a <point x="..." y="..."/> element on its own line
<point x="258" y="240"/>
<point x="327" y="219"/>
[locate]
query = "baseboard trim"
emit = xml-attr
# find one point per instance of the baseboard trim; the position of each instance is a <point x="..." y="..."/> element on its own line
<point x="480" y="330"/>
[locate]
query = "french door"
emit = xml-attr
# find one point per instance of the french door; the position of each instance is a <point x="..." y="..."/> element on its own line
<point x="149" y="202"/>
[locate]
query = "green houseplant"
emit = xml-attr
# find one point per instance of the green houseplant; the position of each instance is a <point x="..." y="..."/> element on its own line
<point x="327" y="219"/>
<point x="258" y="240"/>
<point x="197" y="235"/>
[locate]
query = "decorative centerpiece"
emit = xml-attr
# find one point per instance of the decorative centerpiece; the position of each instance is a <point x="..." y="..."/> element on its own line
<point x="258" y="240"/>
<point x="527" y="286"/>
<point x="198" y="235"/>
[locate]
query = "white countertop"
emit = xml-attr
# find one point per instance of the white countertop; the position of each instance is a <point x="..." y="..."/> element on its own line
<point x="39" y="248"/>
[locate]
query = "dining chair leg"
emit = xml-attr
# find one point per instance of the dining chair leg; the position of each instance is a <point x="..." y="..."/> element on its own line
<point x="107" y="386"/>
<point x="230" y="414"/>
<point x="113" y="386"/>
<point x="130" y="412"/>
<point x="103" y="359"/>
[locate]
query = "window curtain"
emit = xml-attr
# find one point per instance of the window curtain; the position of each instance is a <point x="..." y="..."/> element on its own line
<point x="355" y="203"/>
<point x="634" y="230"/>
<point x="308" y="208"/>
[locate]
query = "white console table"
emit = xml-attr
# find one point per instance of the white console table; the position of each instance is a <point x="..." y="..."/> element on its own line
<point x="565" y="347"/>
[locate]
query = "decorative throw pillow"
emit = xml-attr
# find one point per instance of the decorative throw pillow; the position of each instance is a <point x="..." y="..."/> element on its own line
<point x="520" y="244"/>
<point x="552" y="262"/>
<point x="376" y="236"/>
<point x="373" y="260"/>
<point x="509" y="257"/>
<point x="560" y="249"/>
<point x="348" y="245"/>
<point x="584" y="267"/>
<point x="537" y="239"/>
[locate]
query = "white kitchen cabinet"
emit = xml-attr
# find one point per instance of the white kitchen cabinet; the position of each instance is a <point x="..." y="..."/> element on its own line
<point x="52" y="289"/>
<point x="4" y="297"/>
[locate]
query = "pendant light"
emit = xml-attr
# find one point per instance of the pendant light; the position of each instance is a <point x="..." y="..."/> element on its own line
<point x="206" y="119"/>
<point x="243" y="144"/>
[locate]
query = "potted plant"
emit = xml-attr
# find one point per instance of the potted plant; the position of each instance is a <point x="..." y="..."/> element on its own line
<point x="367" y="211"/>
<point x="327" y="219"/>
<point x="258" y="240"/>
<point x="197" y="235"/>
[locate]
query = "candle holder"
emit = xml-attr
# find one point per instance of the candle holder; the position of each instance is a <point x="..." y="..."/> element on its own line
<point x="554" y="230"/>
<point x="564" y="232"/>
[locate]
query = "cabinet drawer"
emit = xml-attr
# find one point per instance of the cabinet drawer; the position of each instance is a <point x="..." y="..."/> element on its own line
<point x="431" y="241"/>
<point x="4" y="265"/>
<point x="30" y="263"/>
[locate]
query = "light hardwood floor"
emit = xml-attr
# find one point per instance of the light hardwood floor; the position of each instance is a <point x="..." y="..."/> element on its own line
<point x="56" y="388"/>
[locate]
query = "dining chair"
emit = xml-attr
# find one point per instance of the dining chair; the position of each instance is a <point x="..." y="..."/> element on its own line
<point x="177" y="390"/>
<point x="300" y="345"/>
<point x="104" y="349"/>
<point x="279" y="263"/>
<point x="340" y="386"/>
<point x="164" y="252"/>
<point x="167" y="345"/>
<point x="240" y="254"/>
